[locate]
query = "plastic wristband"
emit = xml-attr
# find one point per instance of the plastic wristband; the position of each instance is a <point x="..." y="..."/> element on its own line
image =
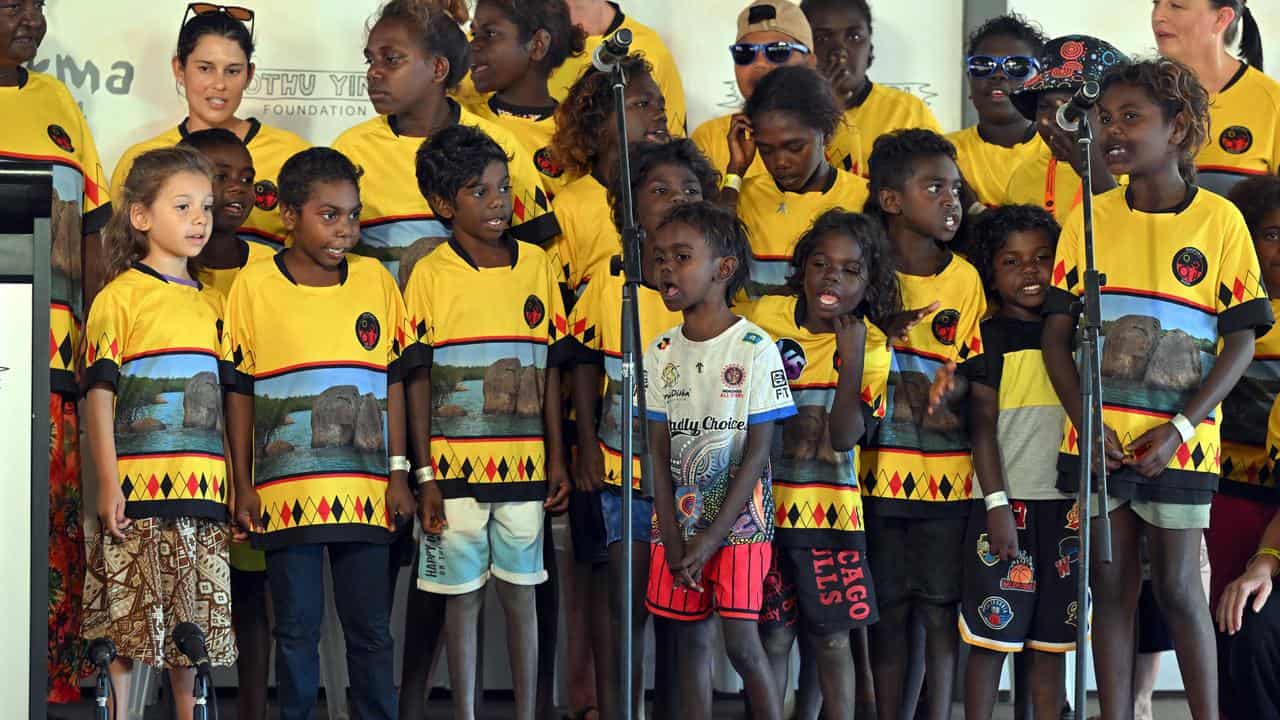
<point x="996" y="499"/>
<point x="1183" y="426"/>
<point x="731" y="181"/>
<point x="425" y="475"/>
<point x="399" y="462"/>
<point x="1267" y="551"/>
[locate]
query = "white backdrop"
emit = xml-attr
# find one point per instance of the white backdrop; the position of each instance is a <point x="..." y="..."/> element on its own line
<point x="115" y="58"/>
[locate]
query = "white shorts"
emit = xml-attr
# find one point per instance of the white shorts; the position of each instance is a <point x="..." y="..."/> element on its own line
<point x="503" y="539"/>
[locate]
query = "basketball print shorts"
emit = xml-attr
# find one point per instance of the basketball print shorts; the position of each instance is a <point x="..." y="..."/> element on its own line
<point x="503" y="539"/>
<point x="732" y="584"/>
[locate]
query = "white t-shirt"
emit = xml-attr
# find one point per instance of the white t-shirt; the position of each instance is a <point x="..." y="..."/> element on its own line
<point x="708" y="393"/>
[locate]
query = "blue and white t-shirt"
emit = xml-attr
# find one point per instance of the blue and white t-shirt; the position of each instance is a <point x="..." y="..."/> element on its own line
<point x="708" y="393"/>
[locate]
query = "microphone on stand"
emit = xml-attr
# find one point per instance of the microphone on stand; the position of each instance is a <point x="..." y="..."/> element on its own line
<point x="612" y="50"/>
<point x="189" y="639"/>
<point x="101" y="652"/>
<point x="1070" y="112"/>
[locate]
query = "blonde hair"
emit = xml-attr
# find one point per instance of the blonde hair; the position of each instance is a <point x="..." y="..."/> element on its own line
<point x="124" y="243"/>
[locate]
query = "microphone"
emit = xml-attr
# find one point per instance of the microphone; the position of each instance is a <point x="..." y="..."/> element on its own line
<point x="190" y="642"/>
<point x="613" y="49"/>
<point x="101" y="652"/>
<point x="1071" y="111"/>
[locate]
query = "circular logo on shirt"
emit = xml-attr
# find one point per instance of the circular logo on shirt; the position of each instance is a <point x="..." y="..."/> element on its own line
<point x="266" y="196"/>
<point x="1190" y="266"/>
<point x="793" y="358"/>
<point x="368" y="331"/>
<point x="1236" y="139"/>
<point x="534" y="311"/>
<point x="996" y="612"/>
<point x="547" y="166"/>
<point x="944" y="326"/>
<point x="60" y="138"/>
<point x="733" y="375"/>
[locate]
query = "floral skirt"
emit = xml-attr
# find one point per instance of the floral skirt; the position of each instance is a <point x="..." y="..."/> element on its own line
<point x="66" y="552"/>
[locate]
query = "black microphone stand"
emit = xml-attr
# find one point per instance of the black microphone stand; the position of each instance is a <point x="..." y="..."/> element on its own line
<point x="102" y="652"/>
<point x="201" y="692"/>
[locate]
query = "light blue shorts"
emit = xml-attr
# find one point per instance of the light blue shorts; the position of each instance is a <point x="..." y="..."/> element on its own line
<point x="503" y="539"/>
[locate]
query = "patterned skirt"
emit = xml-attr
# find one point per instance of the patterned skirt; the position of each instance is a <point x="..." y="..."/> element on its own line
<point x="166" y="572"/>
<point x="66" y="552"/>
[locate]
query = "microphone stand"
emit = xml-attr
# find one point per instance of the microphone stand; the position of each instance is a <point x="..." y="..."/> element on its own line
<point x="1091" y="441"/>
<point x="632" y="367"/>
<point x="101" y="695"/>
<point x="201" y="693"/>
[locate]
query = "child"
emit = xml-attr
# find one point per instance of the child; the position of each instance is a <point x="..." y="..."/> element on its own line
<point x="416" y="53"/>
<point x="316" y="337"/>
<point x="919" y="476"/>
<point x="771" y="34"/>
<point x="1001" y="54"/>
<point x="586" y="145"/>
<point x="664" y="176"/>
<point x="714" y="387"/>
<point x="842" y="45"/>
<point x="486" y="312"/>
<point x="1186" y="281"/>
<point x="515" y="46"/>
<point x="1245" y="500"/>
<point x="153" y="343"/>
<point x="1019" y="586"/>
<point x="1051" y="178"/>
<point x="793" y="115"/>
<point x="837" y="367"/>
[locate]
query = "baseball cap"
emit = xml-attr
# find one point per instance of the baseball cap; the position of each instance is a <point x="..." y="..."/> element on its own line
<point x="1066" y="63"/>
<point x="780" y="16"/>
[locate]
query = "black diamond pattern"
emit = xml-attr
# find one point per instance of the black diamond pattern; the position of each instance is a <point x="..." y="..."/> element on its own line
<point x="1224" y="295"/>
<point x="166" y="486"/>
<point x="442" y="464"/>
<point x="946" y="487"/>
<point x="1227" y="466"/>
<point x="793" y="515"/>
<point x="503" y="467"/>
<point x="1072" y="276"/>
<point x="297" y="511"/>
<point x="869" y="481"/>
<point x="204" y="486"/>
<point x="237" y="357"/>
<point x="337" y="509"/>
<point x="529" y="467"/>
<point x="127" y="487"/>
<point x="832" y="516"/>
<point x="65" y="350"/>
<point x="266" y="519"/>
<point x="421" y="328"/>
<point x="368" y="508"/>
<point x="466" y="469"/>
<point x="1197" y="455"/>
<point x="909" y="485"/>
<point x="589" y="334"/>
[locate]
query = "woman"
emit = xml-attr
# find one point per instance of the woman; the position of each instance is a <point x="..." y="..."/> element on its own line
<point x="212" y="66"/>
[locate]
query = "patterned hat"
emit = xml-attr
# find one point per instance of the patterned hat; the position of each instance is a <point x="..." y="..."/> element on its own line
<point x="1064" y="65"/>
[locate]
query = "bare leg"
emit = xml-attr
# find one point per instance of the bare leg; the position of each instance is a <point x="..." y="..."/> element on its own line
<point x="249" y="619"/>
<point x="694" y="668"/>
<point x="1045" y="674"/>
<point x="1146" y="666"/>
<point x="605" y="641"/>
<point x="913" y="684"/>
<point x="1175" y="578"/>
<point x="462" y="615"/>
<point x="833" y="665"/>
<point x="182" y="681"/>
<point x="423" y="622"/>
<point x="890" y="654"/>
<point x="1115" y="589"/>
<point x="777" y="641"/>
<point x="941" y="648"/>
<point x="742" y="644"/>
<point x="580" y="600"/>
<point x="666" y="684"/>
<point x="520" y="607"/>
<point x="547" y="601"/>
<point x="865" y="686"/>
<point x="809" y="690"/>
<point x="982" y="682"/>
<point x="119" y="671"/>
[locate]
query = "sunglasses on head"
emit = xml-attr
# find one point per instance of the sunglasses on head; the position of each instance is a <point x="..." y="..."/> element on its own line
<point x="775" y="52"/>
<point x="1014" y="67"/>
<point x="235" y="12"/>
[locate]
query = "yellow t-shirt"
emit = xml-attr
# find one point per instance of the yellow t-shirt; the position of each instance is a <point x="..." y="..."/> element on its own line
<point x="919" y="464"/>
<point x="776" y="219"/>
<point x="1244" y="132"/>
<point x="223" y="278"/>
<point x="158" y="345"/>
<point x="595" y="336"/>
<point x="398" y="223"/>
<point x="269" y="147"/>
<point x="817" y="501"/>
<point x="987" y="167"/>
<point x="588" y="237"/>
<point x="1245" y="468"/>
<point x="884" y="109"/>
<point x="712" y="138"/>
<point x="318" y="362"/>
<point x="534" y="131"/>
<point x="1179" y="281"/>
<point x="1043" y="181"/>
<point x="488" y="336"/>
<point x="44" y="124"/>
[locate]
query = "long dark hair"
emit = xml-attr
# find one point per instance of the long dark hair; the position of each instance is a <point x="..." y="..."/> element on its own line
<point x="883" y="296"/>
<point x="212" y="23"/>
<point x="1247" y="27"/>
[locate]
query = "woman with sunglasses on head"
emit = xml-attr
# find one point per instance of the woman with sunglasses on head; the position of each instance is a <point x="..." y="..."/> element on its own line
<point x="1244" y="103"/>
<point x="42" y="120"/>
<point x="771" y="33"/>
<point x="842" y="45"/>
<point x="1001" y="54"/>
<point x="212" y="66"/>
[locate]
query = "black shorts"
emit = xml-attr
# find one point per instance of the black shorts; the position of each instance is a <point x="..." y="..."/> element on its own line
<point x="915" y="558"/>
<point x="827" y="591"/>
<point x="586" y="528"/>
<point x="1029" y="601"/>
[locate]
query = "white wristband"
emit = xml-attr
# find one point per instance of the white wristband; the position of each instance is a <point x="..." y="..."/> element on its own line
<point x="731" y="181"/>
<point x="400" y="462"/>
<point x="996" y="499"/>
<point x="425" y="474"/>
<point x="1183" y="426"/>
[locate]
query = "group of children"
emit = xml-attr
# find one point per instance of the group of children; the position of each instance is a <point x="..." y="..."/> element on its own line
<point x="854" y="328"/>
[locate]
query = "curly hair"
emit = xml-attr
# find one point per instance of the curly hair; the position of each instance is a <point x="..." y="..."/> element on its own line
<point x="530" y="16"/>
<point x="725" y="235"/>
<point x="1255" y="197"/>
<point x="584" y="120"/>
<point x="893" y="159"/>
<point x="647" y="157"/>
<point x="992" y="231"/>
<point x="1010" y="25"/>
<point x="799" y="91"/>
<point x="212" y="23"/>
<point x="126" y="244"/>
<point x="210" y="138"/>
<point x="454" y="158"/>
<point x="1174" y="87"/>
<point x="883" y="296"/>
<point x="313" y="165"/>
<point x="437" y="26"/>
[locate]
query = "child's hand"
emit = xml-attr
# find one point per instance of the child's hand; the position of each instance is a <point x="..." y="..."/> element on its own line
<point x="111" y="512"/>
<point x="557" y="489"/>
<point x="898" y="326"/>
<point x="851" y="336"/>
<point x="1002" y="533"/>
<point x="1256" y="580"/>
<point x="742" y="146"/>
<point x="1111" y="447"/>
<point x="943" y="383"/>
<point x="249" y="510"/>
<point x="1151" y="452"/>
<point x="588" y="471"/>
<point x="400" y="502"/>
<point x="431" y="509"/>
<point x="697" y="550"/>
